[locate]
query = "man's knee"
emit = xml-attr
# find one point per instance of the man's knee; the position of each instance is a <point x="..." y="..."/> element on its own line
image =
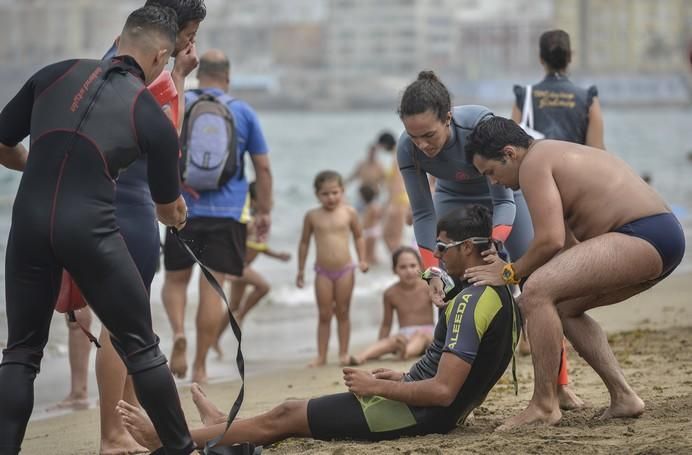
<point x="179" y="278"/>
<point x="533" y="297"/>
<point x="139" y="359"/>
<point x="286" y="411"/>
<point x="28" y="357"/>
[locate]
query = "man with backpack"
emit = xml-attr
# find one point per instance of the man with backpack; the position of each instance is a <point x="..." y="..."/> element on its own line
<point x="217" y="132"/>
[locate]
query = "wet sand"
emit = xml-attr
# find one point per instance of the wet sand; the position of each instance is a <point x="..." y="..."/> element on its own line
<point x="651" y="335"/>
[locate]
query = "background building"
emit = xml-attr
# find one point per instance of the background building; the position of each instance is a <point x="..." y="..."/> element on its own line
<point x="337" y="54"/>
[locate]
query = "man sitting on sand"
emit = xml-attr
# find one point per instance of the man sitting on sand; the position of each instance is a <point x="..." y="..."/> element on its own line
<point x="601" y="235"/>
<point x="474" y="340"/>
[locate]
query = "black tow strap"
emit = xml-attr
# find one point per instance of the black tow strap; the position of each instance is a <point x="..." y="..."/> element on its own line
<point x="211" y="448"/>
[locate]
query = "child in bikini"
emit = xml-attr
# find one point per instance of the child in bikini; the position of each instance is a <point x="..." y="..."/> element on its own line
<point x="331" y="224"/>
<point x="409" y="299"/>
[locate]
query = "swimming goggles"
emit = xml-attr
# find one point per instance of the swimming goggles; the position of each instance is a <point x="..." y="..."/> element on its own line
<point x="441" y="246"/>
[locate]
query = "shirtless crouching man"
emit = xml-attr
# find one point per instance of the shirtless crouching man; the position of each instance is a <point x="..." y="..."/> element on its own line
<point x="602" y="235"/>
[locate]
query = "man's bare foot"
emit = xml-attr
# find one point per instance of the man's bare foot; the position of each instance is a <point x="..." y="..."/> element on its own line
<point x="124" y="445"/>
<point x="209" y="413"/>
<point x="629" y="406"/>
<point x="178" y="362"/>
<point x="317" y="362"/>
<point x="524" y="347"/>
<point x="568" y="399"/>
<point x="532" y="415"/>
<point x="71" y="402"/>
<point x="137" y="423"/>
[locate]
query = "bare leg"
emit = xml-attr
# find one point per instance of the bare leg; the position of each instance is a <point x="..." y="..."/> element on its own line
<point x="343" y="289"/>
<point x="174" y="296"/>
<point x="111" y="376"/>
<point x="209" y="313"/>
<point x="208" y="413"/>
<point x="289" y="419"/>
<point x="598" y="266"/>
<point x="416" y="345"/>
<point x="324" y="294"/>
<point x="261" y="288"/>
<point x="393" y="226"/>
<point x="79" y="349"/>
<point x="376" y="350"/>
<point x="236" y="294"/>
<point x="371" y="250"/>
<point x="591" y="343"/>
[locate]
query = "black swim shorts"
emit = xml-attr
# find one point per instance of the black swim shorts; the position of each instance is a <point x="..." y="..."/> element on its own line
<point x="218" y="242"/>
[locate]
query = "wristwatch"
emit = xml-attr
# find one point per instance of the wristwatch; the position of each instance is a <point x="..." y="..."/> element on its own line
<point x="509" y="274"/>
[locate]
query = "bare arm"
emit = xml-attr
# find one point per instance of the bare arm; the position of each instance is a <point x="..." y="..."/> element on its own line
<point x="303" y="248"/>
<point x="594" y="132"/>
<point x="441" y="390"/>
<point x="185" y="62"/>
<point x="280" y="255"/>
<point x="386" y="325"/>
<point x="173" y="214"/>
<point x="13" y="157"/>
<point x="358" y="239"/>
<point x="264" y="182"/>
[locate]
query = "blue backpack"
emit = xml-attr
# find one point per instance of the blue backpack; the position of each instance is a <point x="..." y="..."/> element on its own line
<point x="209" y="142"/>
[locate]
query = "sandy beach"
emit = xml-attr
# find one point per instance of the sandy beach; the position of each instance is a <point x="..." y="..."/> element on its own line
<point x="652" y="338"/>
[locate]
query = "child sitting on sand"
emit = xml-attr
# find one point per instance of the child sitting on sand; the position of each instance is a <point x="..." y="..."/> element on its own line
<point x="331" y="223"/>
<point x="410" y="300"/>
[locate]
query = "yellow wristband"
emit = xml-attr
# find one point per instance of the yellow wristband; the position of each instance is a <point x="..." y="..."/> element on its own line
<point x="509" y="274"/>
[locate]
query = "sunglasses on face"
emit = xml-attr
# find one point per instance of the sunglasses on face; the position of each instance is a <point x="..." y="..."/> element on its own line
<point x="441" y="246"/>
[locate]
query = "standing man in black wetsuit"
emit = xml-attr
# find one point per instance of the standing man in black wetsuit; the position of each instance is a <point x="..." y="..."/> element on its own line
<point x="88" y="120"/>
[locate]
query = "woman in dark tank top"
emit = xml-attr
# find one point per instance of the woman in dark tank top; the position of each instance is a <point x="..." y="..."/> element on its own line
<point x="561" y="109"/>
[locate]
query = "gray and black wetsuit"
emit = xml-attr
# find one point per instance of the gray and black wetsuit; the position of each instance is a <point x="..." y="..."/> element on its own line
<point x="87" y="119"/>
<point x="458" y="183"/>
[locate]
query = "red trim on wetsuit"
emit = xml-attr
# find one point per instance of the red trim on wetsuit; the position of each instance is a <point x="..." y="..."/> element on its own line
<point x="70" y="297"/>
<point x="427" y="257"/>
<point x="562" y="377"/>
<point x="501" y="232"/>
<point x="67" y="71"/>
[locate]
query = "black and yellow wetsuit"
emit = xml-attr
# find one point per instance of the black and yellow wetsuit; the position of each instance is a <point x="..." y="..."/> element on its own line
<point x="480" y="325"/>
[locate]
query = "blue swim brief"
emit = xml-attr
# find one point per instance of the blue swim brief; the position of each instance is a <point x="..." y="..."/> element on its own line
<point x="665" y="233"/>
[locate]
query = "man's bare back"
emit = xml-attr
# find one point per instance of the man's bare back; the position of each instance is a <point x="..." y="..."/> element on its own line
<point x="598" y="191"/>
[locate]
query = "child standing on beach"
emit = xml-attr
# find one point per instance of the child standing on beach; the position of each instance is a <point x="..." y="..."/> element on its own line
<point x="331" y="223"/>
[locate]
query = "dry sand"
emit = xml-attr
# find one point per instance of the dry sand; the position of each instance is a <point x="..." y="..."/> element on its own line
<point x="652" y="338"/>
